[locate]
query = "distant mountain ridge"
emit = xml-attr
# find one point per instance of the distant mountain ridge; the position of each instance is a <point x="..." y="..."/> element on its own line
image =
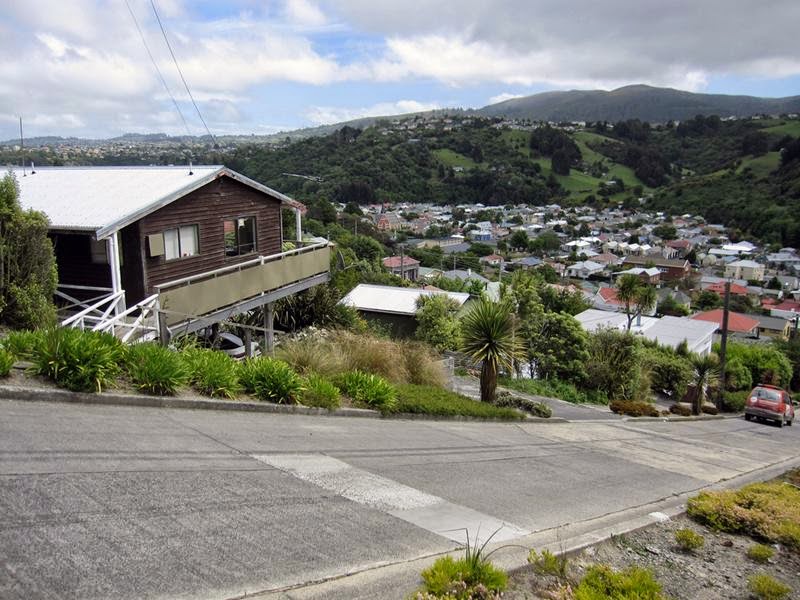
<point x="635" y="102"/>
<point x="644" y="102"/>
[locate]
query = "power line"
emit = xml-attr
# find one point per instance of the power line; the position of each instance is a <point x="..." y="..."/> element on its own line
<point x="153" y="60"/>
<point x="183" y="79"/>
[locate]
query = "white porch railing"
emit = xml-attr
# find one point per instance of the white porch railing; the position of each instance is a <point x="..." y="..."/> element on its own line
<point x="94" y="311"/>
<point x="124" y="328"/>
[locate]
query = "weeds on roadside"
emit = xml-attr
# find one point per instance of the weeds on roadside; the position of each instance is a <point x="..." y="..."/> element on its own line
<point x="766" y="587"/>
<point x="760" y="553"/>
<point x="473" y="576"/>
<point x="548" y="563"/>
<point x="688" y="540"/>
<point x="212" y="373"/>
<point x="7" y="361"/>
<point x="368" y="390"/>
<point x="21" y="343"/>
<point x="271" y="380"/>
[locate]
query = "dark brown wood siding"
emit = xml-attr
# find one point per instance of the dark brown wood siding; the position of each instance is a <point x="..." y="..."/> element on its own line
<point x="74" y="261"/>
<point x="207" y="208"/>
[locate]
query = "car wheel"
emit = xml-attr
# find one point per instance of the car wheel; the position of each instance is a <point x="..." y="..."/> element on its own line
<point x="748" y="417"/>
<point x="789" y="422"/>
<point x="780" y="422"/>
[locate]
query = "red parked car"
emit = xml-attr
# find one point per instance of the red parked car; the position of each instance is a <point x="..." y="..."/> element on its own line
<point x="770" y="402"/>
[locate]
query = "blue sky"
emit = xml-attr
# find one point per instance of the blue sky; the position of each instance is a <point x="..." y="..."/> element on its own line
<point x="261" y="66"/>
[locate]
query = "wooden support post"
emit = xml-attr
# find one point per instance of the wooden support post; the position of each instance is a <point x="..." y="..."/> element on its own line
<point x="269" y="319"/>
<point x="248" y="349"/>
<point x="163" y="330"/>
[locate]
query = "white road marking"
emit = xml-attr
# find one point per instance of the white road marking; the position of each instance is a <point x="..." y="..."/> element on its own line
<point x="424" y="510"/>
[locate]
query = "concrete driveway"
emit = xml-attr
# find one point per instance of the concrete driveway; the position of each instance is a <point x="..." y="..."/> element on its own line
<point x="120" y="502"/>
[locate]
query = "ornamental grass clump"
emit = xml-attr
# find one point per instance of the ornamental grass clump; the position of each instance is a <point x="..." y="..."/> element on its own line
<point x="156" y="370"/>
<point x="311" y="355"/>
<point x="272" y="380"/>
<point x="212" y="373"/>
<point x="81" y="361"/>
<point x="368" y="389"/>
<point x="319" y="392"/>
<point x="370" y="355"/>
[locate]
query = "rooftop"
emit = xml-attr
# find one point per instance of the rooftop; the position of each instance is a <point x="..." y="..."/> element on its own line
<point x="393" y="300"/>
<point x="737" y="322"/>
<point x="102" y="200"/>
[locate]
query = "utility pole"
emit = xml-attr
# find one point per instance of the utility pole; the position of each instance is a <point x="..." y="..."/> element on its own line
<point x="402" y="263"/>
<point x="723" y="346"/>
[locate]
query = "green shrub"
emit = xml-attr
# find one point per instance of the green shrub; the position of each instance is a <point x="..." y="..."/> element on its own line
<point x="602" y="582"/>
<point x="156" y="370"/>
<point x="767" y="364"/>
<point x="548" y="563"/>
<point x="429" y="400"/>
<point x="211" y="372"/>
<point x="767" y="511"/>
<point x="735" y="401"/>
<point x="668" y="372"/>
<point x="537" y="409"/>
<point x="688" y="540"/>
<point x="272" y="380"/>
<point x="7" y="361"/>
<point x="615" y="364"/>
<point x="737" y="376"/>
<point x="247" y="375"/>
<point x="21" y="343"/>
<point x="555" y="388"/>
<point x="680" y="409"/>
<point x="320" y="392"/>
<point x="760" y="553"/>
<point x="368" y="390"/>
<point x="634" y="408"/>
<point x="81" y="361"/>
<point x="766" y="587"/>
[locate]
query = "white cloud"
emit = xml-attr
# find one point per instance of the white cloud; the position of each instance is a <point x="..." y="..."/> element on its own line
<point x="503" y="97"/>
<point x="304" y="13"/>
<point x="326" y="115"/>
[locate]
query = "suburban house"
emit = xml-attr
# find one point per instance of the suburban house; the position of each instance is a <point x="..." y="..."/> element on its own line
<point x="395" y="307"/>
<point x="671" y="270"/>
<point x="606" y="300"/>
<point x="745" y="269"/>
<point x="181" y="246"/>
<point x="492" y="260"/>
<point x="735" y="289"/>
<point x="667" y="331"/>
<point x="650" y="275"/>
<point x="402" y="266"/>
<point x="585" y="269"/>
<point x="737" y="322"/>
<point x="774" y="327"/>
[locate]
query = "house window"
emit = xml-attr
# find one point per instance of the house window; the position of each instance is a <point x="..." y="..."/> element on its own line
<point x="180" y="242"/>
<point x="98" y="252"/>
<point x="240" y="236"/>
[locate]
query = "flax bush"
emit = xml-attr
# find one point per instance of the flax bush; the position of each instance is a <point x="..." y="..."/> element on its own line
<point x="81" y="361"/>
<point x="20" y="343"/>
<point x="211" y="372"/>
<point x="156" y="370"/>
<point x="6" y="362"/>
<point x="271" y="380"/>
<point x="368" y="389"/>
<point x="320" y="392"/>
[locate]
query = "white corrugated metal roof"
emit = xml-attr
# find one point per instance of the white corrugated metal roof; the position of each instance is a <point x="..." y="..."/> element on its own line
<point x="102" y="200"/>
<point x="394" y="300"/>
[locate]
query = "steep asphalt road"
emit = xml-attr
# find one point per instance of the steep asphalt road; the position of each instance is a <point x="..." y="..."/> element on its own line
<point x="130" y="503"/>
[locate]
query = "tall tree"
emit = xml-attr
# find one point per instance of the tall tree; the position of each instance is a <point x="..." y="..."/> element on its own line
<point x="637" y="297"/>
<point x="489" y="337"/>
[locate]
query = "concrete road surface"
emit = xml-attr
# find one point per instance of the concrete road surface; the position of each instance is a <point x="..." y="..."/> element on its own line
<point x="131" y="503"/>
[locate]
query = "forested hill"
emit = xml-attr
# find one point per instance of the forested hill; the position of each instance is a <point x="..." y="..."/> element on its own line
<point x="730" y="171"/>
<point x="636" y="102"/>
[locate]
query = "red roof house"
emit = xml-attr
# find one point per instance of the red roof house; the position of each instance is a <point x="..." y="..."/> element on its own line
<point x="737" y="322"/>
